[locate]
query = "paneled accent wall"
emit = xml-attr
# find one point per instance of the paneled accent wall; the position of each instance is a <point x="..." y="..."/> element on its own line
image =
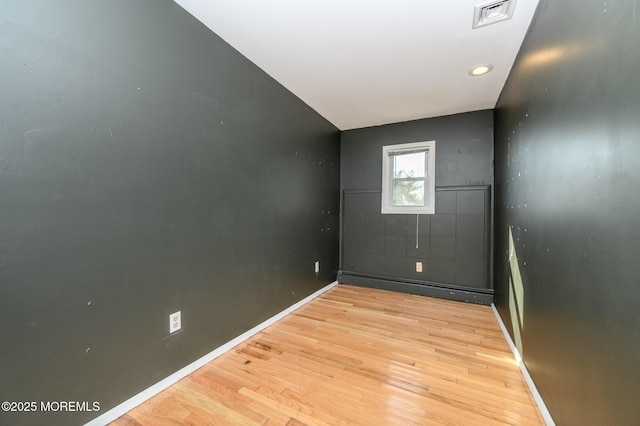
<point x="451" y="247"/>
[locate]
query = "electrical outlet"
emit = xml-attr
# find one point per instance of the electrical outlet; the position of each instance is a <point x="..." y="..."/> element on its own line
<point x="175" y="322"/>
<point x="418" y="266"/>
<point x="317" y="266"/>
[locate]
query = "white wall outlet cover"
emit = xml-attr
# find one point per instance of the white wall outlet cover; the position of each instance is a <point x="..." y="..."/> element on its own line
<point x="175" y="322"/>
<point x="317" y="266"/>
<point x="418" y="266"/>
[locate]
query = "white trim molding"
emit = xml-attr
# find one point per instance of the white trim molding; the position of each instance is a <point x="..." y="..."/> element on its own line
<point x="544" y="412"/>
<point x="155" y="389"/>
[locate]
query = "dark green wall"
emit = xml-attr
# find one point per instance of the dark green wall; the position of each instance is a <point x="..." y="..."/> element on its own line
<point x="145" y="167"/>
<point x="464" y="149"/>
<point x="454" y="243"/>
<point x="567" y="179"/>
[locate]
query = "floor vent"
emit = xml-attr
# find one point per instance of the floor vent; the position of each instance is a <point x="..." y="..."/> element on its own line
<point x="492" y="12"/>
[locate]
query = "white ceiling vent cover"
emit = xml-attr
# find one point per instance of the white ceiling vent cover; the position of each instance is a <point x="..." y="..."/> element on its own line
<point x="492" y="12"/>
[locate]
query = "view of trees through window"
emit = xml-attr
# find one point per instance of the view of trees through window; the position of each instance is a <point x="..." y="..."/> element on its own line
<point x="409" y="178"/>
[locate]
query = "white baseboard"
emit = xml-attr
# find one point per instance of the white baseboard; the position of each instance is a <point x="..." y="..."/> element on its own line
<point x="544" y="412"/>
<point x="155" y="389"/>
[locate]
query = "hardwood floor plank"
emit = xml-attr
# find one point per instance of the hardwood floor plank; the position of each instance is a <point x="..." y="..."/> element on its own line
<point x="357" y="356"/>
<point x="225" y="401"/>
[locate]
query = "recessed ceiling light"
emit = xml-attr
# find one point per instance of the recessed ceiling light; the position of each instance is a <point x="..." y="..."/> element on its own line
<point x="480" y="70"/>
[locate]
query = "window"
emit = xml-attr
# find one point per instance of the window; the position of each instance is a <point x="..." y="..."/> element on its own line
<point x="408" y="178"/>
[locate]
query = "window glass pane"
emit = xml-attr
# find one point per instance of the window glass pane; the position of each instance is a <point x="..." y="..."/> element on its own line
<point x="408" y="193"/>
<point x="409" y="165"/>
<point x="408" y="178"/>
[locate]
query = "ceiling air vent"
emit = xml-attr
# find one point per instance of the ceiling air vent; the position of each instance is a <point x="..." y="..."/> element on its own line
<point x="492" y="12"/>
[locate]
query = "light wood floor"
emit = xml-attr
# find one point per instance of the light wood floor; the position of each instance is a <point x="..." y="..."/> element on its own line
<point x="357" y="356"/>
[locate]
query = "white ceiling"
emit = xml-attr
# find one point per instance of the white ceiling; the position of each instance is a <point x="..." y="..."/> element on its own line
<point x="369" y="62"/>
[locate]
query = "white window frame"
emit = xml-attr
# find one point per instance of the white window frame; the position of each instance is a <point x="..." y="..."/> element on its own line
<point x="388" y="151"/>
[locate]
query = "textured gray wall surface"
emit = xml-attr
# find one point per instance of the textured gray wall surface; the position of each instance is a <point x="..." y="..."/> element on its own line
<point x="146" y="167"/>
<point x="567" y="179"/>
<point x="453" y="244"/>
